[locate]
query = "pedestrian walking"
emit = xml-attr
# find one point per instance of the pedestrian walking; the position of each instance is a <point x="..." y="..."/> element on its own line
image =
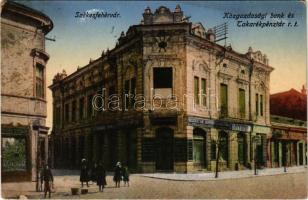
<point x="117" y="174"/>
<point x="101" y="177"/>
<point x="48" y="180"/>
<point x="84" y="172"/>
<point x="94" y="173"/>
<point x="125" y="174"/>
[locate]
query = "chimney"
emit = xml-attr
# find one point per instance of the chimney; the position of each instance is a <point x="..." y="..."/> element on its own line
<point x="304" y="91"/>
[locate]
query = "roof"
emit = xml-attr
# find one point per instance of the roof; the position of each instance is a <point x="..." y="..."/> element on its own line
<point x="47" y="24"/>
<point x="292" y="104"/>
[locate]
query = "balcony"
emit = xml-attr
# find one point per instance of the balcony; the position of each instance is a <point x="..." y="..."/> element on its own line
<point x="226" y="112"/>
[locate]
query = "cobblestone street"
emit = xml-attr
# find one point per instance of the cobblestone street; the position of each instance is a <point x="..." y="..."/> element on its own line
<point x="290" y="185"/>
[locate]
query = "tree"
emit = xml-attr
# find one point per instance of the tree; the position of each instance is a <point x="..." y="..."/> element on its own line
<point x="221" y="143"/>
<point x="222" y="149"/>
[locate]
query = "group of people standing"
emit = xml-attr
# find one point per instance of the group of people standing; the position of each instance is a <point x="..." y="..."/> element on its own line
<point x="121" y="173"/>
<point x="98" y="174"/>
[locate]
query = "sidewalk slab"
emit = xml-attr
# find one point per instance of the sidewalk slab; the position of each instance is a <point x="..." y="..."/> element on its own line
<point x="210" y="176"/>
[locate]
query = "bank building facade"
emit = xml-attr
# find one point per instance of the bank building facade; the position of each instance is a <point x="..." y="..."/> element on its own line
<point x="194" y="92"/>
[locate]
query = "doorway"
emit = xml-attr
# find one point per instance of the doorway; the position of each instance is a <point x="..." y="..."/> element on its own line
<point x="164" y="149"/>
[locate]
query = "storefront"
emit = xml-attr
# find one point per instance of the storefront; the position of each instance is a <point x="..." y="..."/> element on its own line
<point x="288" y="146"/>
<point x="15" y="153"/>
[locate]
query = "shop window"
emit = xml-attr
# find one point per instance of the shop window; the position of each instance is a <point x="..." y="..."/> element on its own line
<point x="223" y="99"/>
<point x="13" y="154"/>
<point x="39" y="80"/>
<point x="198" y="146"/>
<point x="196" y="89"/>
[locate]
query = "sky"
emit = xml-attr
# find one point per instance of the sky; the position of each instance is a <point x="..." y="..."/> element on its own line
<point x="78" y="40"/>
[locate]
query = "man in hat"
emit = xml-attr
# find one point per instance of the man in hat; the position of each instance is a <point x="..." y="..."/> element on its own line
<point x="48" y="180"/>
<point x="84" y="172"/>
<point x="117" y="174"/>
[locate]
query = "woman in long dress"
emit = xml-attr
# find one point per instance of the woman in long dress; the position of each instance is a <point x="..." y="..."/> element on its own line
<point x="101" y="177"/>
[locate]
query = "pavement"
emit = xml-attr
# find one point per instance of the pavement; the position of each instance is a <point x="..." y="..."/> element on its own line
<point x="64" y="180"/>
<point x="210" y="176"/>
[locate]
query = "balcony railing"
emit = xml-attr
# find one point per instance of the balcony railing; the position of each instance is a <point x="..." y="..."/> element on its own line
<point x="226" y="112"/>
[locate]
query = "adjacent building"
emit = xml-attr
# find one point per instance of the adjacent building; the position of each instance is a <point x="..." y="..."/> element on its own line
<point x="288" y="144"/>
<point x="162" y="99"/>
<point x="24" y="141"/>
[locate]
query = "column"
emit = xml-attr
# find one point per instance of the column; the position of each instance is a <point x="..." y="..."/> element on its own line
<point x="248" y="144"/>
<point x="189" y="135"/>
<point x="280" y="154"/>
<point x="272" y="157"/>
<point x="233" y="150"/>
<point x="33" y="147"/>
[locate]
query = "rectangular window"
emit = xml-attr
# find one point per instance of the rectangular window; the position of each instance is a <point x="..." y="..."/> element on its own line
<point x="67" y="112"/>
<point x="133" y="90"/>
<point x="57" y="116"/>
<point x="126" y="93"/>
<point x="81" y="108"/>
<point x="74" y="111"/>
<point x="203" y="88"/>
<point x="39" y="80"/>
<point x="257" y="104"/>
<point x="162" y="77"/>
<point x="90" y="107"/>
<point x="196" y="89"/>
<point x="261" y="105"/>
<point x="224" y="99"/>
<point x="242" y="108"/>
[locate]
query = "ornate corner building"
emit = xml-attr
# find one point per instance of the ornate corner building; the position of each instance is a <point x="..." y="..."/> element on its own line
<point x="24" y="135"/>
<point x="194" y="98"/>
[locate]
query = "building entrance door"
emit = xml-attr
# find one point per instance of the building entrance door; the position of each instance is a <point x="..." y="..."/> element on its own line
<point x="300" y="154"/>
<point x="164" y="153"/>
